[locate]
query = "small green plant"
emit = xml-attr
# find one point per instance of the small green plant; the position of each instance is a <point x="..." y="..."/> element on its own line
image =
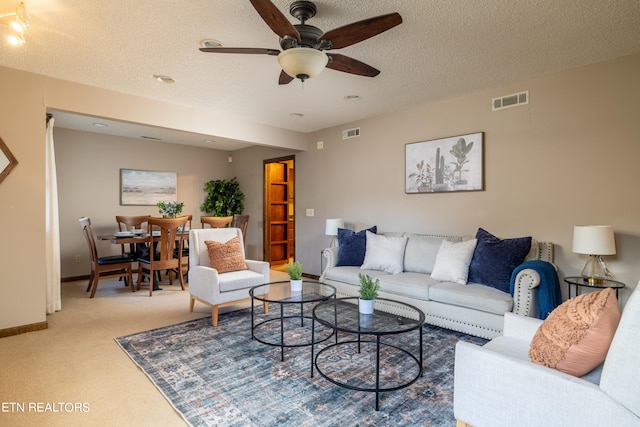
<point x="294" y="269"/>
<point x="170" y="208"/>
<point x="368" y="288"/>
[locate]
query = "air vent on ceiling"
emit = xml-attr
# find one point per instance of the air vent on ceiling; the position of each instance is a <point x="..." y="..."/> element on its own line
<point x="509" y="101"/>
<point x="351" y="133"/>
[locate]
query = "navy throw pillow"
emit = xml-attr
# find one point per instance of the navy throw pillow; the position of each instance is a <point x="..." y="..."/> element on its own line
<point x="352" y="246"/>
<point x="495" y="259"/>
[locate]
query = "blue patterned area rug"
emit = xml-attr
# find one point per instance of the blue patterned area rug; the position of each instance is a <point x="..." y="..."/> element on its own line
<point x="222" y="377"/>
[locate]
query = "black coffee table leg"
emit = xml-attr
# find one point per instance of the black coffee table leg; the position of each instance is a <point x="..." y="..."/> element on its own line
<point x="377" y="372"/>
<point x="281" y="333"/>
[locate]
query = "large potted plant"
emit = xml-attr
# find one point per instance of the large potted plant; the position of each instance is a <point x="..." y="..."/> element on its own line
<point x="294" y="270"/>
<point x="368" y="293"/>
<point x="223" y="198"/>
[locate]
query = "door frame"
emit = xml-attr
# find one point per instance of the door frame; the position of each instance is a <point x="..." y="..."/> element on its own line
<point x="265" y="204"/>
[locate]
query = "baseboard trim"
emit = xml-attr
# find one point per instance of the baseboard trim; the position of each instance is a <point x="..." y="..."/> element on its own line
<point x="17" y="330"/>
<point x="310" y="276"/>
<point x="74" y="279"/>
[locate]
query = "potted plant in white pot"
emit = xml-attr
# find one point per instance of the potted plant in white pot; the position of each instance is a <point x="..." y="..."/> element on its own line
<point x="368" y="293"/>
<point x="294" y="269"/>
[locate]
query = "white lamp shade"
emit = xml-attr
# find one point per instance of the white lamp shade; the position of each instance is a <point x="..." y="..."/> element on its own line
<point x="332" y="225"/>
<point x="594" y="240"/>
<point x="302" y="62"/>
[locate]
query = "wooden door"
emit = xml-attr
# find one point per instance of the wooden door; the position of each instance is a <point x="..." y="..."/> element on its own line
<point x="279" y="238"/>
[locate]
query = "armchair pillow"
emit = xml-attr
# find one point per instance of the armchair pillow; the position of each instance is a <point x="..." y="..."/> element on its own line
<point x="452" y="261"/>
<point x="352" y="246"/>
<point x="226" y="256"/>
<point x="385" y="253"/>
<point x="495" y="259"/>
<point x="576" y="336"/>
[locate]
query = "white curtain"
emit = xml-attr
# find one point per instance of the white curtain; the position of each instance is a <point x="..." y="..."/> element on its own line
<point x="54" y="300"/>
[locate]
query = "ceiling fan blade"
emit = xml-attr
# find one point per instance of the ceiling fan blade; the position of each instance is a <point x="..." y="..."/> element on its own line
<point x="349" y="65"/>
<point x="275" y="19"/>
<point x="361" y="30"/>
<point x="245" y="50"/>
<point x="285" y="78"/>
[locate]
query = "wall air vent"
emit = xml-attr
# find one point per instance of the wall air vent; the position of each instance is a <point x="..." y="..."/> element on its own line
<point x="513" y="100"/>
<point x="351" y="133"/>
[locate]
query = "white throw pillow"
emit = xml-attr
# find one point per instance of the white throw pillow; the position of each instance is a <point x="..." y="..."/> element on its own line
<point x="384" y="253"/>
<point x="452" y="261"/>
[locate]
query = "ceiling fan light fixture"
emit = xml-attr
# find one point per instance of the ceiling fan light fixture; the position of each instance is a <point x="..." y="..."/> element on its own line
<point x="303" y="62"/>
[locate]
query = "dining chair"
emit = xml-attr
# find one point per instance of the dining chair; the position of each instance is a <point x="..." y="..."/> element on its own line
<point x="129" y="223"/>
<point x="216" y="221"/>
<point x="241" y="222"/>
<point x="185" y="247"/>
<point x="104" y="267"/>
<point x="164" y="255"/>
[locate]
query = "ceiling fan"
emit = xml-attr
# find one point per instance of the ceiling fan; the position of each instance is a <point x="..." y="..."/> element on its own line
<point x="303" y="45"/>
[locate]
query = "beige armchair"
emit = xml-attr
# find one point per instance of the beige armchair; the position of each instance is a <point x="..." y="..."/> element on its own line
<point x="215" y="289"/>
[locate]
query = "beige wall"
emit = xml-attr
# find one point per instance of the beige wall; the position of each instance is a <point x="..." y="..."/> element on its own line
<point x="570" y="157"/>
<point x="89" y="182"/>
<point x="22" y="220"/>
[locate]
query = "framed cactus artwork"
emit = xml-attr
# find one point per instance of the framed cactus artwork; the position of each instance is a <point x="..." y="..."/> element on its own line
<point x="445" y="165"/>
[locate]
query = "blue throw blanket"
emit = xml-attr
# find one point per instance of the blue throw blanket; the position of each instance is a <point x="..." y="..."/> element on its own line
<point x="549" y="294"/>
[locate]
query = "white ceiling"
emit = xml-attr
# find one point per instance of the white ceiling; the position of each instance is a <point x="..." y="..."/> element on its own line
<point x="442" y="49"/>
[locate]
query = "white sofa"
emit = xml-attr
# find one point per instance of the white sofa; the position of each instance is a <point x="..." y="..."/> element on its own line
<point x="497" y="385"/>
<point x="473" y="308"/>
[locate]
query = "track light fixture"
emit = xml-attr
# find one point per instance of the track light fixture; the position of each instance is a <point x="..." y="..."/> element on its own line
<point x="19" y="24"/>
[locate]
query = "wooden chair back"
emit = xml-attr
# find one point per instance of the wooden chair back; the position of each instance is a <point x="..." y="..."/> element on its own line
<point x="216" y="221"/>
<point x="167" y="248"/>
<point x="85" y="223"/>
<point x="128" y="223"/>
<point x="241" y="222"/>
<point x="131" y="222"/>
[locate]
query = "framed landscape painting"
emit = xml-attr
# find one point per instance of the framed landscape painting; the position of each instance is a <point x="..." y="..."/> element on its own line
<point x="146" y="188"/>
<point x="445" y="165"/>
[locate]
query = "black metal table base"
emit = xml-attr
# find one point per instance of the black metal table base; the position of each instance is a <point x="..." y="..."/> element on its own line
<point x="377" y="389"/>
<point x="281" y="319"/>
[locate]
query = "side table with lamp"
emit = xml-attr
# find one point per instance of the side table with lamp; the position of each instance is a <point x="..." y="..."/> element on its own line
<point x="595" y="241"/>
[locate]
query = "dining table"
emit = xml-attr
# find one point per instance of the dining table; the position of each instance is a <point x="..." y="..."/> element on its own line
<point x="139" y="238"/>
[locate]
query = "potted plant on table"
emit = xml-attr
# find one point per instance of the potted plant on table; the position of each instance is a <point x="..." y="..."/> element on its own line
<point x="170" y="209"/>
<point x="294" y="270"/>
<point x="368" y="293"/>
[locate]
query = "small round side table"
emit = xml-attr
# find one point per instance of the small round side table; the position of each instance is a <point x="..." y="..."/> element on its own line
<point x="578" y="282"/>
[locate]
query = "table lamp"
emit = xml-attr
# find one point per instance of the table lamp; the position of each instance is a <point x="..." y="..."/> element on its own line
<point x="331" y="228"/>
<point x="595" y="241"/>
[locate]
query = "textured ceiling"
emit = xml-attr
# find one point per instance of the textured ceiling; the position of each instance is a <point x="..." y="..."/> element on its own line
<point x="442" y="49"/>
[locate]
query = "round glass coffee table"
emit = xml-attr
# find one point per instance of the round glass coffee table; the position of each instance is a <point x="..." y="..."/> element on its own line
<point x="347" y="364"/>
<point x="266" y="329"/>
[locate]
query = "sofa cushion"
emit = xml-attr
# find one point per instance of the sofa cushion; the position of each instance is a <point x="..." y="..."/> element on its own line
<point x="352" y="246"/>
<point x="576" y="336"/>
<point x="420" y="253"/>
<point x="226" y="256"/>
<point x="408" y="284"/>
<point x="494" y="259"/>
<point x="349" y="274"/>
<point x="477" y="297"/>
<point x="452" y="261"/>
<point x="384" y="253"/>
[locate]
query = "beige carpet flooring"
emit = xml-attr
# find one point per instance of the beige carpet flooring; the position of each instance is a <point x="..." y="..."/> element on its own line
<point x="75" y="374"/>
